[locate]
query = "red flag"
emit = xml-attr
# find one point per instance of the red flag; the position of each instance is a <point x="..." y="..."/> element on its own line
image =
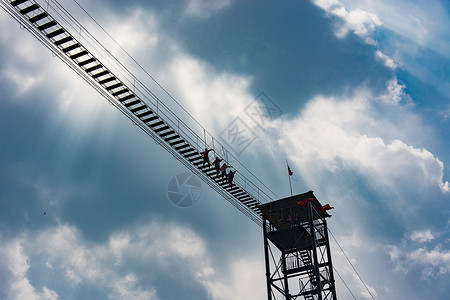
<point x="290" y="172"/>
<point x="325" y="208"/>
<point x="303" y="202"/>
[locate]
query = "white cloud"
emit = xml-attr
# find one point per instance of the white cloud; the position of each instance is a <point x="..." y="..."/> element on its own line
<point x="213" y="99"/>
<point x="243" y="280"/>
<point x="395" y="93"/>
<point x="424" y="23"/>
<point x="422" y="236"/>
<point x="125" y="266"/>
<point x="446" y="113"/>
<point x="14" y="267"/>
<point x="351" y="133"/>
<point x="433" y="263"/>
<point x="138" y="42"/>
<point x="388" y="62"/>
<point x="358" y="21"/>
<point x="203" y="9"/>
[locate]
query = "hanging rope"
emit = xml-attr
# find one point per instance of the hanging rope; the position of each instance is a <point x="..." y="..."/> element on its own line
<point x="342" y="279"/>
<point x="353" y="267"/>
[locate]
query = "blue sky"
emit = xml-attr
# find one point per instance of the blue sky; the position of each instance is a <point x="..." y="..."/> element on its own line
<point x="362" y="88"/>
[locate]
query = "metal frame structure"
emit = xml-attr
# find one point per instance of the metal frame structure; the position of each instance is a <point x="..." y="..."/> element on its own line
<point x="300" y="235"/>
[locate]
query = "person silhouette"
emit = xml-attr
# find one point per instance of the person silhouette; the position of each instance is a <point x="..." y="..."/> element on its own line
<point x="205" y="155"/>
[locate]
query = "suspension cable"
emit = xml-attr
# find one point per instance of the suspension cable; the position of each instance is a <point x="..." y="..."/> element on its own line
<point x="342" y="279"/>
<point x="353" y="267"/>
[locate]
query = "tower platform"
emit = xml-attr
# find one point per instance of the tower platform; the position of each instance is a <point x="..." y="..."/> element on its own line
<point x="288" y="221"/>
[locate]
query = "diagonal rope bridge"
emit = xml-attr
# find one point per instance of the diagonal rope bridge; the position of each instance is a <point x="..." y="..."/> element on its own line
<point x="123" y="90"/>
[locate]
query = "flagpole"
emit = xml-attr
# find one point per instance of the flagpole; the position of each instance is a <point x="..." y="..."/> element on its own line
<point x="290" y="183"/>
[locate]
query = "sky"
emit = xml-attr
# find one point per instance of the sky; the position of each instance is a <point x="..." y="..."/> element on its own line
<point x="359" y="98"/>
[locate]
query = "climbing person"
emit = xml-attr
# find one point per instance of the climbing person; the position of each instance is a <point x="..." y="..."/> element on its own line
<point x="231" y="176"/>
<point x="216" y="164"/>
<point x="206" y="157"/>
<point x="223" y="171"/>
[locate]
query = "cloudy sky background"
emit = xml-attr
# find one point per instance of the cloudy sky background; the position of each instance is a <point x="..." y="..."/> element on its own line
<point x="364" y="90"/>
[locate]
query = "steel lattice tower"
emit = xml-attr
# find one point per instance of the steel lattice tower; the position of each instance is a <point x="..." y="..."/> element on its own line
<point x="298" y="229"/>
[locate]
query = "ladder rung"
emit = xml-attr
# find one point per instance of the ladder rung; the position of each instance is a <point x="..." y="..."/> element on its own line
<point x="151" y="119"/>
<point x="29" y="9"/>
<point x="187" y="150"/>
<point x="18" y="2"/>
<point x="190" y="154"/>
<point x="120" y="92"/>
<point x="148" y="112"/>
<point x="138" y="108"/>
<point x="194" y="159"/>
<point x="198" y="159"/>
<point x="107" y="80"/>
<point x="46" y="25"/>
<point x="63" y="40"/>
<point x="233" y="189"/>
<point x="199" y="162"/>
<point x="161" y="128"/>
<point x="127" y="97"/>
<point x="181" y="147"/>
<point x="242" y="196"/>
<point x="167" y="139"/>
<point x="38" y="17"/>
<point x="223" y="182"/>
<point x="249" y="202"/>
<point x="100" y="74"/>
<point x="190" y="149"/>
<point x="156" y="124"/>
<point x="79" y="54"/>
<point x="85" y="62"/>
<point x="176" y="142"/>
<point x="246" y="198"/>
<point x="96" y="67"/>
<point x="55" y="33"/>
<point x="163" y="134"/>
<point x="114" y="86"/>
<point x="70" y="48"/>
<point x="240" y="193"/>
<point x="132" y="103"/>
